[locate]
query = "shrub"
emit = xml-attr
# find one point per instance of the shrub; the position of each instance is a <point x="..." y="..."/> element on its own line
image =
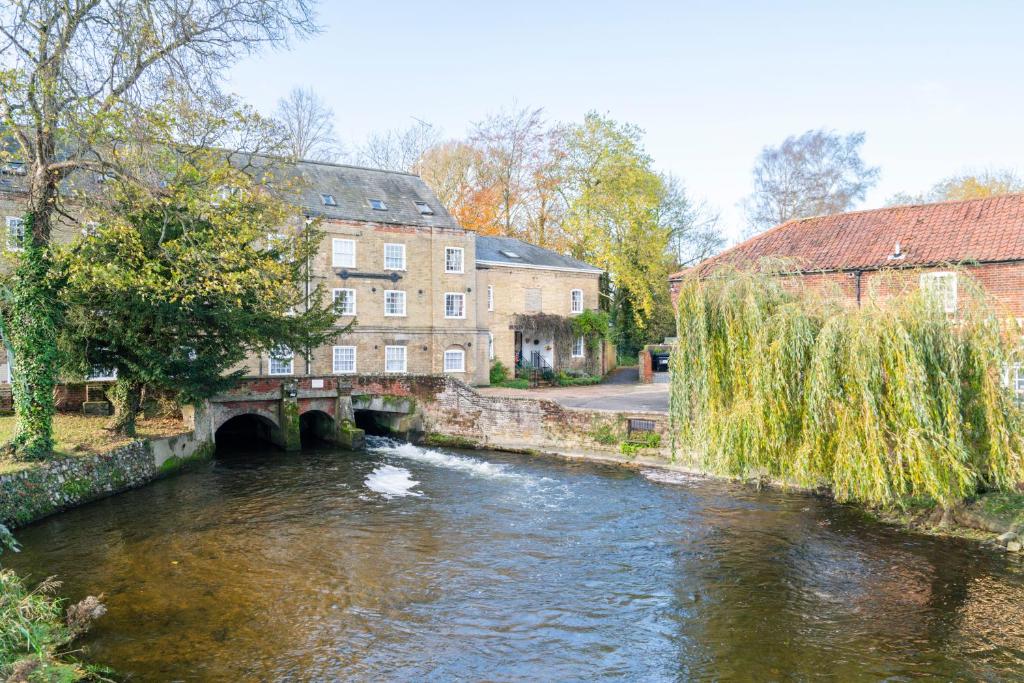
<point x="883" y="403"/>
<point x="564" y="379"/>
<point x="499" y="373"/>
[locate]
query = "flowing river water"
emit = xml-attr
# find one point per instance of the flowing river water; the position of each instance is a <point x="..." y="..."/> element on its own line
<point x="403" y="563"/>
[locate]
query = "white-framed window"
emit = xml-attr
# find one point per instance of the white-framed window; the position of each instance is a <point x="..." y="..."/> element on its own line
<point x="454" y="360"/>
<point x="454" y="305"/>
<point x="942" y="287"/>
<point x="394" y="359"/>
<point x="344" y="360"/>
<point x="453" y="257"/>
<point x="490" y="297"/>
<point x="490" y="346"/>
<point x="15" y="233"/>
<point x="282" y="361"/>
<point x="577" y="348"/>
<point x="576" y="301"/>
<point x="344" y="301"/>
<point x="343" y="253"/>
<point x="1013" y="379"/>
<point x="394" y="303"/>
<point x="394" y="257"/>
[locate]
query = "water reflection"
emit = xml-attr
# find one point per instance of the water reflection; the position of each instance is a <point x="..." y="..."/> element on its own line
<point x="273" y="567"/>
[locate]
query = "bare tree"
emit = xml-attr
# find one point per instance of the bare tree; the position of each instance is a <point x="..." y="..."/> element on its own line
<point x="398" y="150"/>
<point x="817" y="173"/>
<point x="511" y="141"/>
<point x="75" y="75"/>
<point x="308" y="126"/>
<point x="695" y="234"/>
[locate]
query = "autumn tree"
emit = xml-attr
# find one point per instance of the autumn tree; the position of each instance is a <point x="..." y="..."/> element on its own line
<point x="308" y="124"/>
<point x="988" y="183"/>
<point x="819" y="172"/>
<point x="453" y="171"/>
<point x="75" y="75"/>
<point x="615" y="217"/>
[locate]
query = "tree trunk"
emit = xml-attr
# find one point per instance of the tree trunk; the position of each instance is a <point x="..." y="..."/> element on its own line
<point x="33" y="336"/>
<point x="126" y="397"/>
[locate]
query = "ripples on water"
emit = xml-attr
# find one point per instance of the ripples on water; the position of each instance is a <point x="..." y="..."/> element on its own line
<point x="405" y="563"/>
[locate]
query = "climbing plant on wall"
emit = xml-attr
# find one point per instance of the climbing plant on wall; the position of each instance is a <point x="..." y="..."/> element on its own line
<point x="32" y="310"/>
<point x="591" y="325"/>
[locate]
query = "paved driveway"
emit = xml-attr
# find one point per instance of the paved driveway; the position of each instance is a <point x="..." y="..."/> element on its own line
<point x="627" y="397"/>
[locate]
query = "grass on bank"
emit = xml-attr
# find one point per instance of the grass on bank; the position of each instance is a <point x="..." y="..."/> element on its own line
<point x="77" y="434"/>
<point x="37" y="630"/>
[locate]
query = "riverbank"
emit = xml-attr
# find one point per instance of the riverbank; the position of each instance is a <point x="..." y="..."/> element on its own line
<point x="995" y="519"/>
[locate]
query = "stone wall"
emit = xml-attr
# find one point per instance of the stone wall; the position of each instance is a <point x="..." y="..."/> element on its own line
<point x="45" y="488"/>
<point x="452" y="412"/>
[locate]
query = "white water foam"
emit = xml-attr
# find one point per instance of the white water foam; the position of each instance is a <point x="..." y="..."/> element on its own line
<point x="672" y="477"/>
<point x="473" y="466"/>
<point x="392" y="482"/>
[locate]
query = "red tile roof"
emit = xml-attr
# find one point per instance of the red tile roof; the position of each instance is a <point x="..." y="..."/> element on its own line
<point x="974" y="230"/>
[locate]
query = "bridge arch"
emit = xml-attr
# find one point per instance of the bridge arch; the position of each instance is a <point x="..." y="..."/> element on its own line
<point x="241" y="426"/>
<point x="316" y="425"/>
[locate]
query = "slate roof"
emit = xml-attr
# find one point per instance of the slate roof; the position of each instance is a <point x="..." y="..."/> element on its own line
<point x="304" y="182"/>
<point x="970" y="231"/>
<point x="354" y="186"/>
<point x="490" y="250"/>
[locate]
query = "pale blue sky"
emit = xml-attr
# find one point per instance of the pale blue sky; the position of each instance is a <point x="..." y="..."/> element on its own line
<point x="937" y="86"/>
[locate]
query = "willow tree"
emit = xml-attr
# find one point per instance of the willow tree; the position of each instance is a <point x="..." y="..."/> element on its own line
<point x="75" y="75"/>
<point x="882" y="403"/>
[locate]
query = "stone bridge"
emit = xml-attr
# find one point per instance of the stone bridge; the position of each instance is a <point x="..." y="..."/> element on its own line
<point x="281" y="409"/>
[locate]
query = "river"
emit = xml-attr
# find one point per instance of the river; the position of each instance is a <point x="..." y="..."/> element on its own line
<point x="404" y="563"/>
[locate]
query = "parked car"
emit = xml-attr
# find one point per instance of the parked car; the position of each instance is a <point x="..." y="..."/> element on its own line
<point x="659" y="361"/>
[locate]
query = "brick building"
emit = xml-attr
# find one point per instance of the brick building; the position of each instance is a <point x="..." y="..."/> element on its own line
<point x="876" y="251"/>
<point x="398" y="264"/>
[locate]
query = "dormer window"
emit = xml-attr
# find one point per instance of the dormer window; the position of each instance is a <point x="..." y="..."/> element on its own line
<point x="378" y="205"/>
<point x="424" y="209"/>
<point x="328" y="200"/>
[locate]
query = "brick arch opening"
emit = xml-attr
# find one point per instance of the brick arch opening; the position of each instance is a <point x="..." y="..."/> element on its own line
<point x="316" y="426"/>
<point x="247" y="430"/>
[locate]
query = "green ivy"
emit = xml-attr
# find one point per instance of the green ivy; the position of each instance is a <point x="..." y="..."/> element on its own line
<point x="32" y="329"/>
<point x="593" y="326"/>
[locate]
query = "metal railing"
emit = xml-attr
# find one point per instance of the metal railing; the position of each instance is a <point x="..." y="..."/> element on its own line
<point x="536" y="368"/>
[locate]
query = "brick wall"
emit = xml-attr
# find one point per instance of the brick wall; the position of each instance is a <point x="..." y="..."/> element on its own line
<point x="1004" y="282"/>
